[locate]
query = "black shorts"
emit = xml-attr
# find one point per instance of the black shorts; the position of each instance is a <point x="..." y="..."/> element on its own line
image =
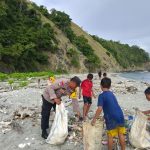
<point x="87" y="100"/>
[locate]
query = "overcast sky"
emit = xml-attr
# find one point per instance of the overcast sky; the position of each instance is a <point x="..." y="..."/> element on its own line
<point x="127" y="21"/>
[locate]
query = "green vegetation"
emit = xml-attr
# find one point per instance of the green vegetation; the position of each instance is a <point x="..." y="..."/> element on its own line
<point x="23" y="84"/>
<point x="125" y="55"/>
<point x="23" y="36"/>
<point x="10" y="82"/>
<point x="63" y="22"/>
<point x="92" y="61"/>
<point x="28" y="39"/>
<point x="74" y="56"/>
<point x="24" y="76"/>
<point x="3" y="76"/>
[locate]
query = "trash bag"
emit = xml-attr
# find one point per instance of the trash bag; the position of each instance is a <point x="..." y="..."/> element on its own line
<point x="59" y="130"/>
<point x="92" y="135"/>
<point x="139" y="136"/>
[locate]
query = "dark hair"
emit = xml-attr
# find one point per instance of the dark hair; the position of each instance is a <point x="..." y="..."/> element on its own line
<point x="106" y="82"/>
<point x="147" y="91"/>
<point x="76" y="80"/>
<point x="90" y="76"/>
<point x="104" y="74"/>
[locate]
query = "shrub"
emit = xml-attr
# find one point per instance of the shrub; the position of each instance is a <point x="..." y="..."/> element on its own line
<point x="108" y="54"/>
<point x="10" y="82"/>
<point x="3" y="76"/>
<point x="23" y="83"/>
<point x="75" y="62"/>
<point x="24" y="37"/>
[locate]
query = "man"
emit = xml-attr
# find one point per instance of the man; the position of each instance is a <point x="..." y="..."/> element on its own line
<point x="52" y="96"/>
<point x="147" y="94"/>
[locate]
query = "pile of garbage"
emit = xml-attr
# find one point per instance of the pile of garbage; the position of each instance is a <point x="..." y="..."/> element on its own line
<point x="75" y="131"/>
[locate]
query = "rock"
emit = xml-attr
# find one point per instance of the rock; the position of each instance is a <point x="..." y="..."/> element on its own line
<point x="120" y="82"/>
<point x="132" y="89"/>
<point x="24" y="112"/>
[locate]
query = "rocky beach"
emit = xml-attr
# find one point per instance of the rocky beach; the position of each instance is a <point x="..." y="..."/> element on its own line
<point x="20" y="112"/>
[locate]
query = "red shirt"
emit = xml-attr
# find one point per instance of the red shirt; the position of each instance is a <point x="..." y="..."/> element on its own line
<point x="86" y="87"/>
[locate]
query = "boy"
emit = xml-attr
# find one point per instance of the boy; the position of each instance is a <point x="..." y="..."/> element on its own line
<point x="113" y="114"/>
<point x="100" y="74"/>
<point x="75" y="104"/>
<point x="87" y="92"/>
<point x="52" y="96"/>
<point x="147" y="94"/>
<point x="51" y="80"/>
<point x="104" y="75"/>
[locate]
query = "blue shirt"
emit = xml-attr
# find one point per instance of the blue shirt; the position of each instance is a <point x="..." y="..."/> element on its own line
<point x="112" y="112"/>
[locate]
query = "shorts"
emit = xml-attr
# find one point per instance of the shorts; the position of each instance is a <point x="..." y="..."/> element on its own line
<point x="116" y="131"/>
<point x="75" y="105"/>
<point x="87" y="100"/>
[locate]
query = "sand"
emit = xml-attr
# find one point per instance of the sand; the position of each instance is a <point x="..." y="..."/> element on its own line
<point x="25" y="133"/>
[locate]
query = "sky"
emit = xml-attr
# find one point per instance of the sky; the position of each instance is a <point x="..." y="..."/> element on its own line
<point x="127" y="21"/>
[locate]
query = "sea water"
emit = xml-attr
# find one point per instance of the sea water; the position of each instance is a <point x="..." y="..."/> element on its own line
<point x="140" y="76"/>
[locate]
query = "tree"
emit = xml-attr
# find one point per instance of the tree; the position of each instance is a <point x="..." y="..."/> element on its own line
<point x="125" y="55"/>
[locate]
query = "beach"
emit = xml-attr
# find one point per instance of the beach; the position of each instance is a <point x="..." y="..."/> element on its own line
<point x="22" y="131"/>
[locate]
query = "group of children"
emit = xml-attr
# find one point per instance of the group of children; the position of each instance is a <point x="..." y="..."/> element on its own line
<point x="107" y="102"/>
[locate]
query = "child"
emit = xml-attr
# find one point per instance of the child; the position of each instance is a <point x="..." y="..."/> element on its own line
<point x="75" y="104"/>
<point x="87" y="92"/>
<point x="113" y="114"/>
<point x="52" y="96"/>
<point x="147" y="94"/>
<point x="104" y="75"/>
<point x="100" y="74"/>
<point x="51" y="80"/>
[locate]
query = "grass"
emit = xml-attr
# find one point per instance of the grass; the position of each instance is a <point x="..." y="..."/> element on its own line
<point x="10" y="82"/>
<point x="24" y="76"/>
<point x="23" y="84"/>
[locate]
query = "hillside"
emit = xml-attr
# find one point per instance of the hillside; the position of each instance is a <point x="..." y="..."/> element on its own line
<point x="32" y="39"/>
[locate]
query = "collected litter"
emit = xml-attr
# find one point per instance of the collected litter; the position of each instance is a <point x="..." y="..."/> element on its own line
<point x="59" y="130"/>
<point x="139" y="137"/>
<point x="92" y="135"/>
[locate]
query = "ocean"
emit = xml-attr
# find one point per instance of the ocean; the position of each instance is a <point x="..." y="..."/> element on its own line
<point x="140" y="76"/>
